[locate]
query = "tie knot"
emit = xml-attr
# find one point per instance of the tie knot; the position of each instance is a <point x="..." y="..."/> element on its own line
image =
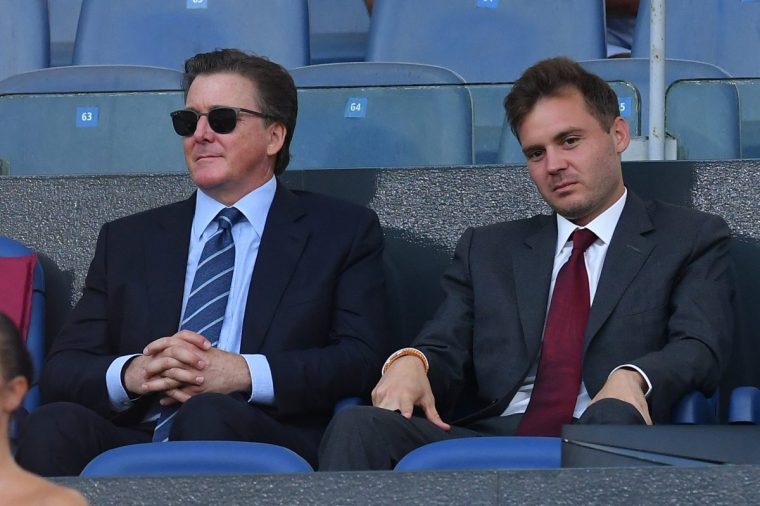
<point x="227" y="217"/>
<point x="583" y="238"/>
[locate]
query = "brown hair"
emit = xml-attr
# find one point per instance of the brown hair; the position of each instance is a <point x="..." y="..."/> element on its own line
<point x="553" y="77"/>
<point x="14" y="357"/>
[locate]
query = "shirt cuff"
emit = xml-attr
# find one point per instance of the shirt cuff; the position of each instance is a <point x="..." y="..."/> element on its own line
<point x="262" y="386"/>
<point x="638" y="370"/>
<point x="117" y="394"/>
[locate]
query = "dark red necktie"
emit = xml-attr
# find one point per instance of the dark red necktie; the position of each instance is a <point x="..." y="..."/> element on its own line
<point x="558" y="380"/>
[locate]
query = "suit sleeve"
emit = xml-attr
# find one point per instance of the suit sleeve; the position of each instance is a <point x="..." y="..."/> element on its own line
<point x="446" y="340"/>
<point x="701" y="323"/>
<point x="313" y="379"/>
<point x="76" y="367"/>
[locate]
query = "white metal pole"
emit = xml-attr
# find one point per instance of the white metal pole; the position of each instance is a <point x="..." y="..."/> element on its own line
<point x="657" y="80"/>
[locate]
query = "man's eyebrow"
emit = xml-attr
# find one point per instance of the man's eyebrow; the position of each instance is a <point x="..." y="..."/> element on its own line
<point x="559" y="137"/>
<point x="563" y="134"/>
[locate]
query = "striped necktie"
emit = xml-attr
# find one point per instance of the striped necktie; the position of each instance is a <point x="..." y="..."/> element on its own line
<point x="207" y="302"/>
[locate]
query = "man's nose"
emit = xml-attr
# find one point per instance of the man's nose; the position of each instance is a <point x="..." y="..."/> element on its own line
<point x="555" y="160"/>
<point x="203" y="130"/>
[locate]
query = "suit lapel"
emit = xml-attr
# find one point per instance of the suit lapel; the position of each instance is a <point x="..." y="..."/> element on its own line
<point x="627" y="252"/>
<point x="282" y="243"/>
<point x="532" y="273"/>
<point x="166" y="248"/>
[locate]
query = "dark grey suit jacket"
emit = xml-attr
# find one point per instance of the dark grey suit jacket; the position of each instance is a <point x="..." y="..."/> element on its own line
<point x="663" y="303"/>
<point x="315" y="306"/>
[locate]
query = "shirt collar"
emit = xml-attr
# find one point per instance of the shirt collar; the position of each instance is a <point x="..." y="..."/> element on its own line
<point x="603" y="225"/>
<point x="254" y="206"/>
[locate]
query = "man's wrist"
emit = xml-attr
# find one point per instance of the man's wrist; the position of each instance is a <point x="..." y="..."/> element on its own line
<point x="643" y="379"/>
<point x="405" y="352"/>
<point x="132" y="396"/>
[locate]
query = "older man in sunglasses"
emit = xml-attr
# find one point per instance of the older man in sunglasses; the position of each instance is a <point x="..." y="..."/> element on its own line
<point x="243" y="313"/>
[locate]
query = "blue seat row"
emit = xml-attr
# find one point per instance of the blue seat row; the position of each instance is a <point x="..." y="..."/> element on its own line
<point x="351" y="115"/>
<point x="337" y="30"/>
<point x="482" y="40"/>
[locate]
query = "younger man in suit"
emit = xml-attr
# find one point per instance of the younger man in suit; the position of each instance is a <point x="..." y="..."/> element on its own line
<point x="242" y="313"/>
<point x="608" y="311"/>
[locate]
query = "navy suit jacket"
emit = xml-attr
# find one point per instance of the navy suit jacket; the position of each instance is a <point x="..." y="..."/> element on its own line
<point x="663" y="303"/>
<point x="315" y="307"/>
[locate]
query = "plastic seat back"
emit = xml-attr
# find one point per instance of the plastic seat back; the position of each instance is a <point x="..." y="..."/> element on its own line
<point x="166" y="33"/>
<point x="338" y="30"/>
<point x="722" y="32"/>
<point x="24" y="36"/>
<point x="486" y="40"/>
<point x="64" y="17"/>
<point x="91" y="120"/>
<point x="636" y="72"/>
<point x="485" y="453"/>
<point x="520" y="452"/>
<point x="378" y="115"/>
<point x="184" y="458"/>
<point x="688" y="103"/>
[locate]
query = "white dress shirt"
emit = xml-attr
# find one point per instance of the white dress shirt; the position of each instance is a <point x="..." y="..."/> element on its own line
<point x="247" y="235"/>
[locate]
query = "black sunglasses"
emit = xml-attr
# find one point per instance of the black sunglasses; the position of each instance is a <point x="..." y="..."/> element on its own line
<point x="222" y="120"/>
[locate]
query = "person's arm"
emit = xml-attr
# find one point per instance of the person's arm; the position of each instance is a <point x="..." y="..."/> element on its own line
<point x="404" y="386"/>
<point x="699" y="329"/>
<point x="446" y="340"/>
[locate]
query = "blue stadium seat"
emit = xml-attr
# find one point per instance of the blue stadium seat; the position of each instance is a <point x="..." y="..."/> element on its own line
<point x="166" y="33"/>
<point x="486" y="40"/>
<point x="377" y="115"/>
<point x="24" y="36"/>
<point x="35" y="337"/>
<point x="485" y="453"/>
<point x="705" y="119"/>
<point x="636" y="72"/>
<point x="744" y="405"/>
<point x="64" y="16"/>
<point x="372" y="74"/>
<point x="721" y="32"/>
<point x="338" y="30"/>
<point x="695" y="408"/>
<point x="184" y="458"/>
<point x="91" y="120"/>
<point x="527" y="452"/>
<point x="749" y="99"/>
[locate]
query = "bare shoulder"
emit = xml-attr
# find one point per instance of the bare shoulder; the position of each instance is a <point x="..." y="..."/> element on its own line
<point x="58" y="495"/>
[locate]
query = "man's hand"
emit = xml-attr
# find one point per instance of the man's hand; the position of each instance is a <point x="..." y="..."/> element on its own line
<point x="224" y="373"/>
<point x="183" y="365"/>
<point x="167" y="363"/>
<point x="182" y="350"/>
<point x="404" y="386"/>
<point x="626" y="385"/>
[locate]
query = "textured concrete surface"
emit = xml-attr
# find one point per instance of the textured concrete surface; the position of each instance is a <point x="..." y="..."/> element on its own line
<point x="727" y="485"/>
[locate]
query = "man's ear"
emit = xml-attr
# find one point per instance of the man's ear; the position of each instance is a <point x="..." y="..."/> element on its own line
<point x="277" y="132"/>
<point x="13" y="392"/>
<point x="621" y="133"/>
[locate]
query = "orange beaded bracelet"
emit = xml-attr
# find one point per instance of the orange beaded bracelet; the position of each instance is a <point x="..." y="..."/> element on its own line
<point x="403" y="352"/>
